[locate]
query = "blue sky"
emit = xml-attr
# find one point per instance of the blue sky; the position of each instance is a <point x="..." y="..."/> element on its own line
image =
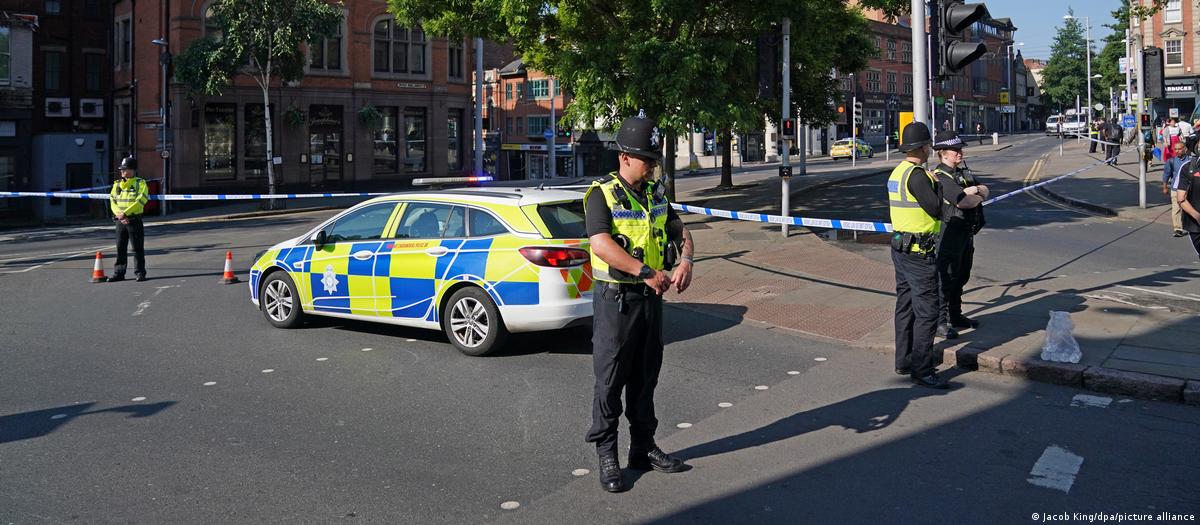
<point x="1038" y="21"/>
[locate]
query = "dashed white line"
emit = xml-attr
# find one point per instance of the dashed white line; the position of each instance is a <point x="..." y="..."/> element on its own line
<point x="793" y="372"/>
<point x="724" y="404"/>
<point x="761" y="387"/>
<point x="210" y="383"/>
<point x="410" y="340"/>
<point x="367" y="349"/>
<point x="142" y="306"/>
<point x="1056" y="469"/>
<point x="268" y="370"/>
<point x="58" y="416"/>
<point x="820" y="359"/>
<point x="1159" y="292"/>
<point x="1088" y="401"/>
<point x="138" y="399"/>
<point x="684" y="425"/>
<point x="510" y="505"/>
<point x="322" y="359"/>
<point x="580" y="472"/>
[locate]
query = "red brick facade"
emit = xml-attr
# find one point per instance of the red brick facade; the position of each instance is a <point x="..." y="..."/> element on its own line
<point x="323" y="137"/>
<point x="518" y="111"/>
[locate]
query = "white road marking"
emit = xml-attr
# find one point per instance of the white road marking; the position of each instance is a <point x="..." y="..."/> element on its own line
<point x="1056" y="469"/>
<point x="761" y="387"/>
<point x="1122" y="301"/>
<point x="367" y="349"/>
<point x="724" y="404"/>
<point x="210" y="383"/>
<point x="142" y="306"/>
<point x="1159" y="292"/>
<point x="510" y="505"/>
<point x="684" y="425"/>
<point x="269" y="370"/>
<point x="58" y="416"/>
<point x="580" y="472"/>
<point x="820" y="359"/>
<point x="138" y="399"/>
<point x="793" y="372"/>
<point x="411" y="340"/>
<point x="1087" y="401"/>
<point x="322" y="359"/>
<point x="27" y="256"/>
<point x="1124" y="400"/>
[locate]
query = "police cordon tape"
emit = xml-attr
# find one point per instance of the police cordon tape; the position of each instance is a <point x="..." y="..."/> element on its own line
<point x="191" y="197"/>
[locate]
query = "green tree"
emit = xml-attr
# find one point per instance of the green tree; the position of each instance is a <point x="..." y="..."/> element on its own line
<point x="1065" y="76"/>
<point x="1107" y="64"/>
<point x="261" y="39"/>
<point x="683" y="62"/>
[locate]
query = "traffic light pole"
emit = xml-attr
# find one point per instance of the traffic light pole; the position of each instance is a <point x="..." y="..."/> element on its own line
<point x="554" y="135"/>
<point x="854" y="132"/>
<point x="1141" y="138"/>
<point x="786" y="165"/>
<point x="920" y="64"/>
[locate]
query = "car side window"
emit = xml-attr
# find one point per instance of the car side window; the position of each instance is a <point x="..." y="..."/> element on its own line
<point x="483" y="224"/>
<point x="362" y="224"/>
<point x="432" y="221"/>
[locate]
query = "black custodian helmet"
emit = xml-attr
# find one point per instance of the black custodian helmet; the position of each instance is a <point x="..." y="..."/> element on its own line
<point x="128" y="163"/>
<point x="639" y="137"/>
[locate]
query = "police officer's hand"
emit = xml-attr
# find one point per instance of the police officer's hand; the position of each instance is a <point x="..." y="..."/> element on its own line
<point x="983" y="190"/>
<point x="682" y="277"/>
<point x="659" y="282"/>
<point x="120" y="216"/>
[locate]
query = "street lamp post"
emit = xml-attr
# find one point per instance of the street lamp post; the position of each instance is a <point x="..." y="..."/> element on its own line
<point x="1087" y="25"/>
<point x="164" y="154"/>
<point x="1008" y="82"/>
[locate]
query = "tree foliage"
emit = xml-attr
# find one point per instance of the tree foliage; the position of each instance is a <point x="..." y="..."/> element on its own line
<point x="1107" y="64"/>
<point x="1065" y="76"/>
<point x="681" y="61"/>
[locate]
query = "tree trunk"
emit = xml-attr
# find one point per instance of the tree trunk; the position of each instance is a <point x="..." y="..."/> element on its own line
<point x="270" y="140"/>
<point x="726" y="158"/>
<point x="668" y="165"/>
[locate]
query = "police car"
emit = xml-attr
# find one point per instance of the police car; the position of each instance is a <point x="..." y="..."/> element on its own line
<point x="477" y="263"/>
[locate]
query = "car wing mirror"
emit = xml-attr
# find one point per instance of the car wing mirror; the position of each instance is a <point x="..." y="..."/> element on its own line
<point x="320" y="239"/>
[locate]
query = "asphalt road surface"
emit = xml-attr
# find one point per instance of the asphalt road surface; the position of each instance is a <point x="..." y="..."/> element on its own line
<point x="173" y="401"/>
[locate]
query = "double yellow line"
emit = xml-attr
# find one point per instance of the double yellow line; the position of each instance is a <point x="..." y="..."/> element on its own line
<point x="1032" y="178"/>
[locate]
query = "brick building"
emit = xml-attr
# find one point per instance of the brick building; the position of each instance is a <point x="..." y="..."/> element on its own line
<point x="54" y="71"/>
<point x="518" y="111"/>
<point x="379" y="105"/>
<point x="1173" y="30"/>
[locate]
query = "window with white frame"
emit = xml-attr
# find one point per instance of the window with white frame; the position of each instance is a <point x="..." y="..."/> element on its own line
<point x="873" y="81"/>
<point x="539" y="89"/>
<point x="1173" y="13"/>
<point x="891" y="49"/>
<point x="538" y="124"/>
<point x="1174" y="51"/>
<point x="906" y="52"/>
<point x="398" y="49"/>
<point x="891" y="82"/>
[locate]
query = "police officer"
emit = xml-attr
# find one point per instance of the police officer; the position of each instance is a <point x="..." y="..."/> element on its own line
<point x="128" y="197"/>
<point x="962" y="218"/>
<point x="916" y="210"/>
<point x="634" y="236"/>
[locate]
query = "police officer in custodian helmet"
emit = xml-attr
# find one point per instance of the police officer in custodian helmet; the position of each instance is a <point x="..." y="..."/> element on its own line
<point x="635" y="237"/>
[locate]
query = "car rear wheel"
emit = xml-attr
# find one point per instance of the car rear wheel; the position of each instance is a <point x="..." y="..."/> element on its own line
<point x="280" y="302"/>
<point x="473" y="323"/>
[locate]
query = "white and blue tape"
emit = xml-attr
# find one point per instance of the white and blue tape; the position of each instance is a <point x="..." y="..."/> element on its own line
<point x="189" y="197"/>
<point x="833" y="224"/>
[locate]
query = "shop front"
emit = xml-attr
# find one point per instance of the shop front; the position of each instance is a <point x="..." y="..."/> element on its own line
<point x="1180" y="99"/>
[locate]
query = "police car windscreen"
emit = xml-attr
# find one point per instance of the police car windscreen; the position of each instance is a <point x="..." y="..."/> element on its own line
<point x="564" y="219"/>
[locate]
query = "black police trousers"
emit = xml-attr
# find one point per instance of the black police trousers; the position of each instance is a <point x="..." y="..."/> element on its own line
<point x="916" y="311"/>
<point x="132" y="233"/>
<point x="627" y="351"/>
<point x="955" y="255"/>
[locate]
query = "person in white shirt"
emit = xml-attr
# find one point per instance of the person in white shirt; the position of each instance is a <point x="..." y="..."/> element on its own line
<point x="1185" y="129"/>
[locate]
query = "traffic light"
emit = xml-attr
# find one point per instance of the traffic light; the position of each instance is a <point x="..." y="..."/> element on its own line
<point x="564" y="131"/>
<point x="841" y="109"/>
<point x="1152" y="60"/>
<point x="858" y="113"/>
<point x="768" y="67"/>
<point x="789" y="128"/>
<point x="954" y="53"/>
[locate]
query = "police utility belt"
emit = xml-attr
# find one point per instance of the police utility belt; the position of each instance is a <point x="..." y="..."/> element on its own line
<point x="918" y="243"/>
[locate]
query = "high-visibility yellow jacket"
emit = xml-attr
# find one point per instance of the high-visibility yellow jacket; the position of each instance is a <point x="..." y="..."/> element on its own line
<point x="128" y="196"/>
<point x="645" y="229"/>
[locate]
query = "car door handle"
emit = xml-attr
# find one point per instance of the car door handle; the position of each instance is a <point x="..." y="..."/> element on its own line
<point x="363" y="255"/>
<point x="437" y="251"/>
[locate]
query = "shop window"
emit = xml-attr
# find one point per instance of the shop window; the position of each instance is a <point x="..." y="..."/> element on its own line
<point x="454" y="148"/>
<point x="387" y="156"/>
<point x="220" y="128"/>
<point x="254" y="144"/>
<point x="414" y="140"/>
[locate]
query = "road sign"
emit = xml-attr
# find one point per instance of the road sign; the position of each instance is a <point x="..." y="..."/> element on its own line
<point x="1128" y="121"/>
<point x="1008" y="109"/>
<point x="1122" y="63"/>
<point x="1173" y="112"/>
<point x="1098" y="107"/>
<point x="785" y="171"/>
<point x="906" y="117"/>
<point x="1004" y="97"/>
<point x="548" y="133"/>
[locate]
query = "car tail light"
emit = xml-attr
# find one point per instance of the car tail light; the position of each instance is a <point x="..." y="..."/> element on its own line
<point x="556" y="257"/>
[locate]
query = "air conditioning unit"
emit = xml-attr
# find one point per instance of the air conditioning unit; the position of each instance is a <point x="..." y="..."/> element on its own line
<point x="58" y="107"/>
<point x="91" y="108"/>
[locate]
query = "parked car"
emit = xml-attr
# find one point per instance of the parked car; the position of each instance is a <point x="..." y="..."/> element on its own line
<point x="842" y="149"/>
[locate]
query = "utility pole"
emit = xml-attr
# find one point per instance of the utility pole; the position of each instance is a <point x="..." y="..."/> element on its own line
<point x="854" y="130"/>
<point x="785" y="168"/>
<point x="920" y="64"/>
<point x="478" y="106"/>
<point x="1141" y="138"/>
<point x="554" y="129"/>
<point x="1128" y="69"/>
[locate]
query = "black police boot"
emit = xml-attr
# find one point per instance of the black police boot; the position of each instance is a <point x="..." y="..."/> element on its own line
<point x="141" y="277"/>
<point x="946" y="331"/>
<point x="610" y="473"/>
<point x="654" y="458"/>
<point x="116" y="278"/>
<point x="962" y="321"/>
<point x="931" y="380"/>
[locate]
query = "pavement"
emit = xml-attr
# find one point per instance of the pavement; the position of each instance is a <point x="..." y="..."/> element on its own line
<point x="1135" y="325"/>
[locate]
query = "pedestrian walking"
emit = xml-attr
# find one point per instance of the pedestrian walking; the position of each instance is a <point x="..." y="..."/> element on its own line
<point x="1187" y="194"/>
<point x="915" y="206"/>
<point x="979" y="132"/>
<point x="1114" y="134"/>
<point x="1172" y="170"/>
<point x="634" y="237"/>
<point x="127" y="198"/>
<point x="962" y="218"/>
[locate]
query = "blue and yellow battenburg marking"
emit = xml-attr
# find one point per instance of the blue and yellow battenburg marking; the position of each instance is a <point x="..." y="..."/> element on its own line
<point x="399" y="278"/>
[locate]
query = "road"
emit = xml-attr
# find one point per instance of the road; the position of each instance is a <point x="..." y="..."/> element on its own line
<point x="173" y="401"/>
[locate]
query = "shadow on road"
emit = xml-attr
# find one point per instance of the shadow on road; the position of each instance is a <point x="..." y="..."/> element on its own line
<point x="38" y="423"/>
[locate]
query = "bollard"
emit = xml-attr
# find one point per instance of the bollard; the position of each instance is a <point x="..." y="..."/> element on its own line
<point x="995" y="138"/>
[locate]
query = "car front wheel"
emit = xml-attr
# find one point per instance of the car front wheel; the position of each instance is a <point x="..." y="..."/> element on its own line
<point x="472" y="322"/>
<point x="280" y="302"/>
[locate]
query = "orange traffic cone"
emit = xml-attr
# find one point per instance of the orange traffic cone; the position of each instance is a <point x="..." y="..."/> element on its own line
<point x="98" y="269"/>
<point x="229" y="277"/>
